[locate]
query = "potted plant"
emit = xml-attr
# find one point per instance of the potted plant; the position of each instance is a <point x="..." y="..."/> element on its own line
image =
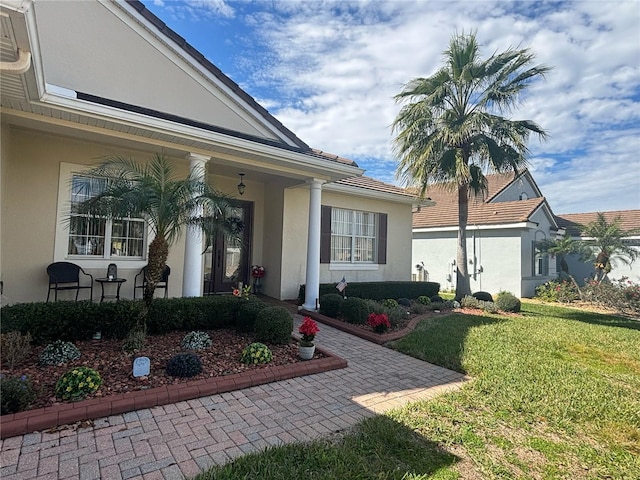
<point x="308" y="330"/>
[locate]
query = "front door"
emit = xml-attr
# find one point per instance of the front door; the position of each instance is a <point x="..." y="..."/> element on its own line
<point x="227" y="260"/>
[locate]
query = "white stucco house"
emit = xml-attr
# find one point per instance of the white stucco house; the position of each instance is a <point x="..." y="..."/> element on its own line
<point x="502" y="232"/>
<point x="84" y="80"/>
<point x="629" y="220"/>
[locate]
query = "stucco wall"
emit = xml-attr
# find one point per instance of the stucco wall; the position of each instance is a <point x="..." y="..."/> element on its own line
<point x="517" y="191"/>
<point x="87" y="48"/>
<point x="294" y="244"/>
<point x="30" y="183"/>
<point x="273" y="258"/>
<point x="488" y="253"/>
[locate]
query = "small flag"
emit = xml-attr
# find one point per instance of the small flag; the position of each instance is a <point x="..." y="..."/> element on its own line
<point x="342" y="284"/>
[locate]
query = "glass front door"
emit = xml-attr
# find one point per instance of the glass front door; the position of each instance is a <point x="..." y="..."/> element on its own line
<point x="227" y="260"/>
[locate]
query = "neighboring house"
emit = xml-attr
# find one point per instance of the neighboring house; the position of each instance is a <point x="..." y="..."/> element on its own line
<point x="502" y="232"/>
<point x="572" y="223"/>
<point x="82" y="80"/>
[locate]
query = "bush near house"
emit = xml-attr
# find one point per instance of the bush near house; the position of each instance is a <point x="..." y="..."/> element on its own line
<point x="71" y="321"/>
<point x="330" y="304"/>
<point x="274" y="325"/>
<point x="379" y="290"/>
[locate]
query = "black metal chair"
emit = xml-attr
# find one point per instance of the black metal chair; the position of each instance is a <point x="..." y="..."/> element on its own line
<point x="163" y="283"/>
<point x="66" y="276"/>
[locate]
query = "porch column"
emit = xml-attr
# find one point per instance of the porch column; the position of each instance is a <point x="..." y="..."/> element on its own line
<point x="192" y="273"/>
<point x="312" y="282"/>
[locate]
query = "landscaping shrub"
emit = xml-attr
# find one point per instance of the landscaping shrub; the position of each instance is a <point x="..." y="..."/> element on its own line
<point x="247" y="314"/>
<point x="489" y="307"/>
<point x="469" y="302"/>
<point x="379" y="290"/>
<point x="274" y="325"/>
<point x="395" y="315"/>
<point x="184" y="365"/>
<point x="15" y="347"/>
<point x="16" y="394"/>
<point x="418" y="308"/>
<point x="330" y="304"/>
<point x="390" y="303"/>
<point x="424" y="300"/>
<point x="196" y="341"/>
<point x="379" y="322"/>
<point x="436" y="299"/>
<point x="508" y="302"/>
<point x="557" y="291"/>
<point x="256" y="353"/>
<point x="59" y="352"/>
<point x="72" y="321"/>
<point x="484" y="296"/>
<point x="355" y="310"/>
<point x="621" y="295"/>
<point x="77" y="383"/>
<point x="405" y="302"/>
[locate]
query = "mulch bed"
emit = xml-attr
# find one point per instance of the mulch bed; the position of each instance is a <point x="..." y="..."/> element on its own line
<point x="116" y="367"/>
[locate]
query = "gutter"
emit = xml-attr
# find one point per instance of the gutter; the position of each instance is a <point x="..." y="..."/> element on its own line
<point x="19" y="66"/>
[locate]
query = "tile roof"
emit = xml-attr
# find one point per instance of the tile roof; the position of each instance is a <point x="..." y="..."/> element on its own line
<point x="375" y="185"/>
<point x="573" y="221"/>
<point x="481" y="212"/>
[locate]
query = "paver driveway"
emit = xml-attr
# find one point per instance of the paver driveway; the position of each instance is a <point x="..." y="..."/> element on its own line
<point x="179" y="440"/>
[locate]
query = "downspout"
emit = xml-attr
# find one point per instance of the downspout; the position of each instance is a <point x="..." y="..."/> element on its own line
<point x="19" y="66"/>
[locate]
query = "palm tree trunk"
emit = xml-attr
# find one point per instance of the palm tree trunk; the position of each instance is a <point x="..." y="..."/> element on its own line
<point x="462" y="270"/>
<point x="157" y="259"/>
<point x="158" y="254"/>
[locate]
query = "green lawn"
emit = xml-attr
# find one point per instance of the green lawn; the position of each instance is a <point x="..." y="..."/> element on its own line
<point x="556" y="394"/>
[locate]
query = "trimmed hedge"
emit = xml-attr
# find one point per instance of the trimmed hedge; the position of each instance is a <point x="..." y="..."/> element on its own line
<point x="274" y="325"/>
<point x="71" y="321"/>
<point x="379" y="290"/>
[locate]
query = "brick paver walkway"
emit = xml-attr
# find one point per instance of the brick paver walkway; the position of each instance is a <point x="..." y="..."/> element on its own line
<point x="180" y="440"/>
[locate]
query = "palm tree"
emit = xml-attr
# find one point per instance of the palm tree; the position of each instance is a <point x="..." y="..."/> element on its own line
<point x="451" y="132"/>
<point x="152" y="191"/>
<point x="607" y="240"/>
<point x="560" y="247"/>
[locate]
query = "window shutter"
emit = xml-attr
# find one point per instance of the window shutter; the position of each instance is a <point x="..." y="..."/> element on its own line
<point x="382" y="238"/>
<point x="325" y="234"/>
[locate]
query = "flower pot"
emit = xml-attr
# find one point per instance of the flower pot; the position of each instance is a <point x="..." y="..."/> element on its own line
<point x="306" y="353"/>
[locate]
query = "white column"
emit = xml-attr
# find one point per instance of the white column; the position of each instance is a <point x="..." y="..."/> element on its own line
<point x="312" y="282"/>
<point x="192" y="275"/>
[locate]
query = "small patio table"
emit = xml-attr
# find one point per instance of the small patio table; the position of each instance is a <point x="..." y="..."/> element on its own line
<point x="117" y="281"/>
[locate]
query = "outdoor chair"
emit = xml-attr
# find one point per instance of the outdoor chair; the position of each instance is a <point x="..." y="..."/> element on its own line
<point x="66" y="276"/>
<point x="140" y="281"/>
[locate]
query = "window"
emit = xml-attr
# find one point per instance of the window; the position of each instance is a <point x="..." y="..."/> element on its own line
<point x="101" y="238"/>
<point x="540" y="262"/>
<point x="353" y="237"/>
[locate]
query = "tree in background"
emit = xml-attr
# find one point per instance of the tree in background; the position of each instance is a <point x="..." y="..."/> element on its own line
<point x="452" y="131"/>
<point x="606" y="240"/>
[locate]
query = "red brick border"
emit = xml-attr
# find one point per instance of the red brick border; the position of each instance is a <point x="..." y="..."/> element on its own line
<point x="49" y="417"/>
<point x="379" y="338"/>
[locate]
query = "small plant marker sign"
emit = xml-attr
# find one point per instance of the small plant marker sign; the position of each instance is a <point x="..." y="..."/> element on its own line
<point x="141" y="366"/>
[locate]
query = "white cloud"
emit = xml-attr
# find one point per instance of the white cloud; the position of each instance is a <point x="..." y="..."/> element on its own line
<point x="331" y="70"/>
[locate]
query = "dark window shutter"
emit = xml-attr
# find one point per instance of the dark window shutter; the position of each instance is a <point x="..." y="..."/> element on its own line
<point x="325" y="234"/>
<point x="382" y="238"/>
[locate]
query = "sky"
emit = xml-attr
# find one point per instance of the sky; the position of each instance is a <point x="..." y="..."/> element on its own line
<point x="329" y="71"/>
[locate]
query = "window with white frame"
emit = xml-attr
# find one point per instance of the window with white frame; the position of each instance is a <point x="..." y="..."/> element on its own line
<point x="353" y="236"/>
<point x="540" y="262"/>
<point x="98" y="237"/>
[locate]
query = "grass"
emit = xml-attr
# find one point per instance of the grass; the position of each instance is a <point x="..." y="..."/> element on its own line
<point x="556" y="394"/>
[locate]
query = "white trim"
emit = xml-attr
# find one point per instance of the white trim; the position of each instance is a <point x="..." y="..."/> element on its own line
<point x="240" y="146"/>
<point x="377" y="194"/>
<point x="61" y="239"/>
<point x="354" y="266"/>
<point x="454" y="228"/>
